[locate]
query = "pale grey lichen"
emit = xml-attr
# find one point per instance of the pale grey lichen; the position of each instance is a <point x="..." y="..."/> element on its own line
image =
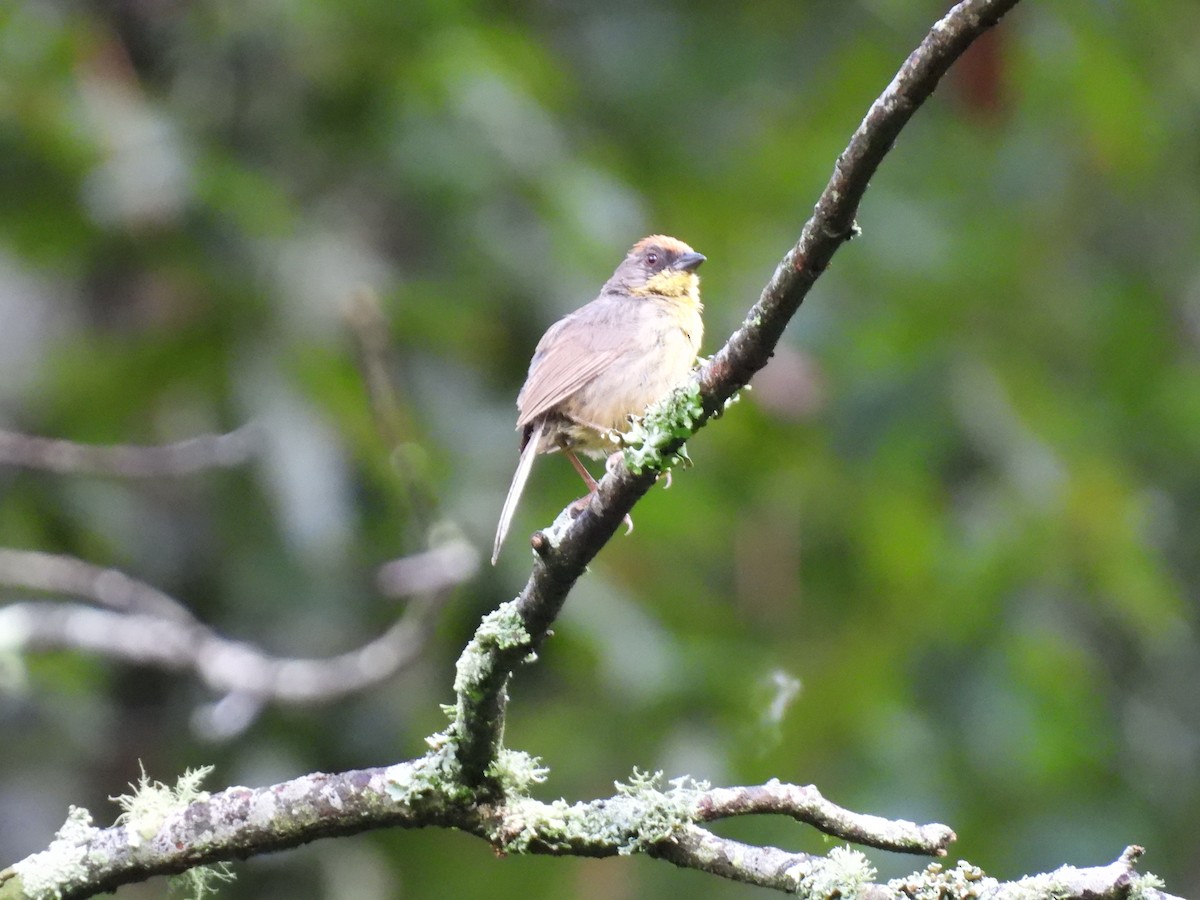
<point x="937" y="882"/>
<point x="436" y="774"/>
<point x="736" y="396"/>
<point x="557" y="530"/>
<point x="45" y="875"/>
<point x="966" y="881"/>
<point x="516" y="772"/>
<point x="639" y="816"/>
<point x="673" y="418"/>
<point x="144" y="811"/>
<point x="842" y="873"/>
<point x="1071" y="880"/>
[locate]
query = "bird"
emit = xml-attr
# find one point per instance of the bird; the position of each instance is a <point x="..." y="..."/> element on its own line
<point x="609" y="360"/>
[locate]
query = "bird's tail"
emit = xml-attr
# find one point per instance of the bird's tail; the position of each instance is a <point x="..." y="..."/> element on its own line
<point x="524" y="467"/>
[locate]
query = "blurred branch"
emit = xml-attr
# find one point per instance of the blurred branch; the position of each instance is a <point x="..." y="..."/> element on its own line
<point x="444" y="566"/>
<point x="84" y="860"/>
<point x="565" y="550"/>
<point x="371" y="331"/>
<point x="114" y="589"/>
<point x="144" y="626"/>
<point x="208" y="451"/>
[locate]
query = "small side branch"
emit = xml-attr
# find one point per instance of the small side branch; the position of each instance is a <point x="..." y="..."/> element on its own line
<point x="805" y="804"/>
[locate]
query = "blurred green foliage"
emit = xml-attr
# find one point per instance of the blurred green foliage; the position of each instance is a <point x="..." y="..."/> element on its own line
<point x="960" y="509"/>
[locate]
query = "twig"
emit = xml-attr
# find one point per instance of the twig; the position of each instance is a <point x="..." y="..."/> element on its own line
<point x="804" y="803"/>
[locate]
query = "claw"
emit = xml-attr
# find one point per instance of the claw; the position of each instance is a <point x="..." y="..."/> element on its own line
<point x="667" y="476"/>
<point x="628" y="524"/>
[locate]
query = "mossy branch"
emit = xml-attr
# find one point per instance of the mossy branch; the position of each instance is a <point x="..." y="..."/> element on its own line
<point x="169" y="835"/>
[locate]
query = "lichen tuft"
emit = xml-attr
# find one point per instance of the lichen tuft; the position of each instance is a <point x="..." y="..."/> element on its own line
<point x="842" y="874"/>
<point x="673" y="419"/>
<point x="151" y="802"/>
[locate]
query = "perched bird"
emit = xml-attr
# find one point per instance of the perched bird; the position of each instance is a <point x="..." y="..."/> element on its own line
<point x="609" y="360"/>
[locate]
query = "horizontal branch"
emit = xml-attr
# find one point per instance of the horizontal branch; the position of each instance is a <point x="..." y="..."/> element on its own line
<point x="142" y="625"/>
<point x="222" y="664"/>
<point x="640" y="818"/>
<point x="196" y="454"/>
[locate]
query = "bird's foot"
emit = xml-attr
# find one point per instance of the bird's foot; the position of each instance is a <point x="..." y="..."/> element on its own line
<point x="578" y="506"/>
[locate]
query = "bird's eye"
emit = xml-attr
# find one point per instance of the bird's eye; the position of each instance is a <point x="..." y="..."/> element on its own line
<point x="652" y="259"/>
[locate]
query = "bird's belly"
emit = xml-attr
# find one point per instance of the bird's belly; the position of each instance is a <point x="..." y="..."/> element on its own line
<point x="628" y="387"/>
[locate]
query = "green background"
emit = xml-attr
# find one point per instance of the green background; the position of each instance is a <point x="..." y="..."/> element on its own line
<point x="960" y="508"/>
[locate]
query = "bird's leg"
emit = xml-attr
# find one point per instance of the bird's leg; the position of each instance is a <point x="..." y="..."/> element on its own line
<point x="582" y="502"/>
<point x="582" y="470"/>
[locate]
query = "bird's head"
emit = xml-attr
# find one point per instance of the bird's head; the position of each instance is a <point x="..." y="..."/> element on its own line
<point x="660" y="266"/>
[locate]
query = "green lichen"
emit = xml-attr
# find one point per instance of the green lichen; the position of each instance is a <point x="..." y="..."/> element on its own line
<point x="437" y="774"/>
<point x="640" y="815"/>
<point x="672" y="419"/>
<point x="1143" y="886"/>
<point x="201" y="881"/>
<point x="516" y="772"/>
<point x="501" y="629"/>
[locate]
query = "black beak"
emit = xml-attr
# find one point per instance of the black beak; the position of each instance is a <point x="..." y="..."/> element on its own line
<point x="689" y="262"/>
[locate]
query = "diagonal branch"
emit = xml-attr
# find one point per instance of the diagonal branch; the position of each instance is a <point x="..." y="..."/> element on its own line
<point x="564" y="551"/>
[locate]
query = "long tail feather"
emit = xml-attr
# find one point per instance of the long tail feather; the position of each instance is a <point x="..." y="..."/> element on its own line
<point x="524" y="467"/>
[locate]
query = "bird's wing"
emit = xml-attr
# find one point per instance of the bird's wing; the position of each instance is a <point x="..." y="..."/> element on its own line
<point x="571" y="353"/>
